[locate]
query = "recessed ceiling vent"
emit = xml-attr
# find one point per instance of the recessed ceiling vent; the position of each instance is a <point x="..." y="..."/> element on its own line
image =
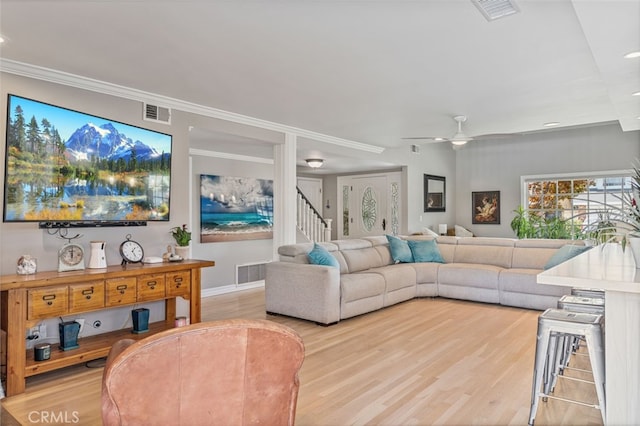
<point x="496" y="9"/>
<point x="156" y="114"/>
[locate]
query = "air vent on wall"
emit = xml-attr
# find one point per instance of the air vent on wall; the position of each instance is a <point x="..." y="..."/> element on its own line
<point x="251" y="272"/>
<point x="156" y="113"/>
<point x="495" y="9"/>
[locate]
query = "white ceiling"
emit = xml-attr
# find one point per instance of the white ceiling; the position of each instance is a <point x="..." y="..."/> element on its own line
<point x="366" y="71"/>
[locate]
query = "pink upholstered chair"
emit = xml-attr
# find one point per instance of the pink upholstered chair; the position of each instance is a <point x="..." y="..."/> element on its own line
<point x="233" y="372"/>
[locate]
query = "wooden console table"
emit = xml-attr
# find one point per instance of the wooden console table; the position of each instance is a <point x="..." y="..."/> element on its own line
<point x="614" y="271"/>
<point x="26" y="300"/>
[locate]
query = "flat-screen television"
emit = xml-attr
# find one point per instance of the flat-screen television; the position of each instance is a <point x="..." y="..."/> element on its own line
<point x="69" y="168"/>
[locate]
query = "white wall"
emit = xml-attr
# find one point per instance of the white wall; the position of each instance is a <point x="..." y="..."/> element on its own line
<point x="479" y="166"/>
<point x="226" y="254"/>
<point x="437" y="159"/>
<point x="498" y="165"/>
<point x="25" y="238"/>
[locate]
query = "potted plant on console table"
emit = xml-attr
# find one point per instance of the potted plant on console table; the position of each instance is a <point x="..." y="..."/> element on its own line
<point x="183" y="238"/>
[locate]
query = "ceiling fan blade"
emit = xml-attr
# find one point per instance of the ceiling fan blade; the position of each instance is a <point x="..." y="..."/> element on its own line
<point x="497" y="136"/>
<point x="427" y="139"/>
<point x="460" y="138"/>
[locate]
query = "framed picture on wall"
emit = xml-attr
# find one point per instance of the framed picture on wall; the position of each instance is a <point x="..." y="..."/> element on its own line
<point x="235" y="208"/>
<point x="434" y="193"/>
<point x="485" y="207"/>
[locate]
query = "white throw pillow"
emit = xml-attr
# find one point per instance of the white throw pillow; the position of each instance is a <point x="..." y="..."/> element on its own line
<point x="429" y="232"/>
<point x="462" y="232"/>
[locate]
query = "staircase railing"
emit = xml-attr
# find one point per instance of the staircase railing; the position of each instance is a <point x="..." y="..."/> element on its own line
<point x="310" y="221"/>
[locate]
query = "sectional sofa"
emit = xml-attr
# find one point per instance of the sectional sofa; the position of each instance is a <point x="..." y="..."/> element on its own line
<point x="492" y="270"/>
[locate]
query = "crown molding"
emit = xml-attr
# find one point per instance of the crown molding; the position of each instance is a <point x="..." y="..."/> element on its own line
<point x="72" y="80"/>
<point x="228" y="156"/>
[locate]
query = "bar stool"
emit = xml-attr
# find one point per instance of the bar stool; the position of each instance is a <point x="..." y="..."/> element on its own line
<point x="567" y="345"/>
<point x="553" y="325"/>
<point x="588" y="292"/>
<point x="576" y="303"/>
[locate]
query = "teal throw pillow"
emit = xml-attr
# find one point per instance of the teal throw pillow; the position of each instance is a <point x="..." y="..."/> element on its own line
<point x="425" y="251"/>
<point x="320" y="256"/>
<point x="400" y="251"/>
<point x="565" y="253"/>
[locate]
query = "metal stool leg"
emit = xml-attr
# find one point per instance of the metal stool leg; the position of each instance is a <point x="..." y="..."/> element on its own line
<point x="557" y="331"/>
<point x="540" y="364"/>
<point x="595" y="346"/>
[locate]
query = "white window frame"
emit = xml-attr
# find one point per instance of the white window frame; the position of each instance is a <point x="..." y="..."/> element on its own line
<point x="525" y="180"/>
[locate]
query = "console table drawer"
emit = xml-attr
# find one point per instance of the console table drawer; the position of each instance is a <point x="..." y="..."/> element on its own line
<point x="150" y="287"/>
<point x="86" y="296"/>
<point x="47" y="302"/>
<point x="120" y="291"/>
<point x="178" y="283"/>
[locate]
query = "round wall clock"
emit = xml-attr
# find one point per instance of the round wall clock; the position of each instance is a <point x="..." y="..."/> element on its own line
<point x="70" y="258"/>
<point x="131" y="251"/>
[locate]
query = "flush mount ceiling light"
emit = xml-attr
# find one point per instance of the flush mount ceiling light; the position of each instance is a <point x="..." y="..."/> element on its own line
<point x="632" y="55"/>
<point x="551" y="124"/>
<point x="314" y="163"/>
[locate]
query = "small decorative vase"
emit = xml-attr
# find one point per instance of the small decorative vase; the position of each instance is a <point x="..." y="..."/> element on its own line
<point x="183" y="251"/>
<point x="634" y="245"/>
<point x="27" y="265"/>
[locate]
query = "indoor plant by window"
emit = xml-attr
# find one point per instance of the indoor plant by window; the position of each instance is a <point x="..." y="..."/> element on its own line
<point x="183" y="238"/>
<point x="620" y="221"/>
<point x="528" y="225"/>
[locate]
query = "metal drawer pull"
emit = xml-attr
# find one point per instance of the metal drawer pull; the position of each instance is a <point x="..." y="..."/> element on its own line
<point x="87" y="293"/>
<point x="178" y="279"/>
<point x="121" y="288"/>
<point x="152" y="284"/>
<point x="49" y="298"/>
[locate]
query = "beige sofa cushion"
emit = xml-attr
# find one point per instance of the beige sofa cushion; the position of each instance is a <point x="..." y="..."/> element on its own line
<point x="361" y="286"/>
<point x="362" y="259"/>
<point x="531" y="258"/>
<point x="426" y="272"/>
<point x="469" y="275"/>
<point x="520" y="280"/>
<point x="447" y="247"/>
<point x="297" y="253"/>
<point x="397" y="276"/>
<point x="535" y="253"/>
<point x="486" y="255"/>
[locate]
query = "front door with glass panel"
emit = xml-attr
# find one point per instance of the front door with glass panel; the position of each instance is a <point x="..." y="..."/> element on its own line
<point x="370" y="205"/>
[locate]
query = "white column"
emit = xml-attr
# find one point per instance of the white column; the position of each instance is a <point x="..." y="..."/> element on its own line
<point x="622" y="357"/>
<point x="284" y="193"/>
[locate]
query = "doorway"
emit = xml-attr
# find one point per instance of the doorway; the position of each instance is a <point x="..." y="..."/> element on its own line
<point x="370" y="205"/>
<point x="312" y="189"/>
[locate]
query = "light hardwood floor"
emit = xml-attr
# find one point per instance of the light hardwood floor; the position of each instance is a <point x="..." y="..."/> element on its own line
<point x="422" y="362"/>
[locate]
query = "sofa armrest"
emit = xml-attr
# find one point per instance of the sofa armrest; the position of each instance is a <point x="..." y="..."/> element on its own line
<point x="310" y="292"/>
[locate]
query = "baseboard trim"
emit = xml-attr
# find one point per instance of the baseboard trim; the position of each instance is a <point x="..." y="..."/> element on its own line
<point x="216" y="291"/>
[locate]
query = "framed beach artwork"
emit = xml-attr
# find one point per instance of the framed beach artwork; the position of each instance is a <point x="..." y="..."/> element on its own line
<point x="235" y="208"/>
<point x="486" y="207"/>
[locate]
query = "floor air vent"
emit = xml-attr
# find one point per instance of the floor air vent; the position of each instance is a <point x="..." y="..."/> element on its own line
<point x="250" y="272"/>
<point x="157" y="114"/>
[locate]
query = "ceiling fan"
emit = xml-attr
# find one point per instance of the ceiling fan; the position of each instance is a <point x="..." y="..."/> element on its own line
<point x="459" y="138"/>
